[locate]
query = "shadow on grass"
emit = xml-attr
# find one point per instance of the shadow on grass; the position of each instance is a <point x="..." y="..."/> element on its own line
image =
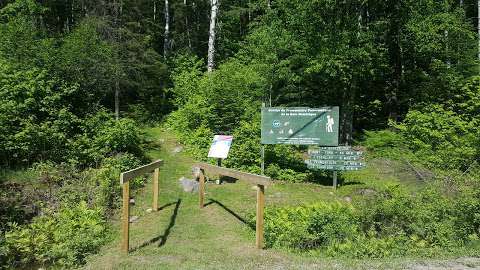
<point x="241" y="219"/>
<point x="352" y="183"/>
<point x="323" y="178"/>
<point x="163" y="237"/>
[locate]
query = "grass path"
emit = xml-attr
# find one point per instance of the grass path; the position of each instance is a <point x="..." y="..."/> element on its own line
<point x="181" y="236"/>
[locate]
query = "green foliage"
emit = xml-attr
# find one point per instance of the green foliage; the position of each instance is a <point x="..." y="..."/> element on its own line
<point x="186" y="76"/>
<point x="312" y="226"/>
<point x="33" y="118"/>
<point x="384" y="139"/>
<point x="64" y="238"/>
<point x="390" y="223"/>
<point x="67" y="231"/>
<point x="441" y="137"/>
<point x="86" y="60"/>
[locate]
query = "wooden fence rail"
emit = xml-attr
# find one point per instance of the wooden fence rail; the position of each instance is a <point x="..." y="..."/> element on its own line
<point x="258" y="180"/>
<point x="125" y="178"/>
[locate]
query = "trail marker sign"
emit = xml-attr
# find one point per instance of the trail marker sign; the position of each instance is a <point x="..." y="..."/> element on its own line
<point x="300" y="125"/>
<point x="220" y="146"/>
<point x="340" y="158"/>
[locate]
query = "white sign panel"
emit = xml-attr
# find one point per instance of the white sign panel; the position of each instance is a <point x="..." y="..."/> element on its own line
<point x="220" y="146"/>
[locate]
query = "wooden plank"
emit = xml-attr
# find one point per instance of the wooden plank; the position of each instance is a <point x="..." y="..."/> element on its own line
<point x="252" y="178"/>
<point x="128" y="175"/>
<point x="201" y="189"/>
<point x="155" y="189"/>
<point x="126" y="217"/>
<point x="260" y="211"/>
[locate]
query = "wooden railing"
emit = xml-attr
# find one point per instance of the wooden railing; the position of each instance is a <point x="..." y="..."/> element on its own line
<point x="258" y="180"/>
<point x="125" y="178"/>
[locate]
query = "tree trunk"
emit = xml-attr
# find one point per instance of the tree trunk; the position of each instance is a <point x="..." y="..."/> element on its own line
<point x="395" y="51"/>
<point x="117" y="9"/>
<point x="117" y="99"/>
<point x="187" y="26"/>
<point x="211" y="35"/>
<point x="166" y="42"/>
<point x="154" y="10"/>
<point x="478" y="26"/>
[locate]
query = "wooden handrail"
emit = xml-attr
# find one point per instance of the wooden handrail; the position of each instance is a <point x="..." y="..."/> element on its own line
<point x="249" y="177"/>
<point x="125" y="178"/>
<point x="129" y="175"/>
<point x="259" y="180"/>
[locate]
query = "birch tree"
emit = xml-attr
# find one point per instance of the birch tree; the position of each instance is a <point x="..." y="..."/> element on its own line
<point x="154" y="10"/>
<point x="166" y="42"/>
<point x="187" y="27"/>
<point x="211" y="35"/>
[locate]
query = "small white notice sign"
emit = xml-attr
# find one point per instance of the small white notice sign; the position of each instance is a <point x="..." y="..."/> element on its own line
<point x="220" y="146"/>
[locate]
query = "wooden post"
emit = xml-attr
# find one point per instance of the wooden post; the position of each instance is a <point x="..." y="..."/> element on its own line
<point x="262" y="154"/>
<point x="126" y="217"/>
<point x="262" y="149"/>
<point x="260" y="209"/>
<point x="155" y="189"/>
<point x="201" y="188"/>
<point x="335" y="179"/>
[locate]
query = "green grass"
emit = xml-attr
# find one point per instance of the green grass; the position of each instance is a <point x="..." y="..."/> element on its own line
<point x="182" y="236"/>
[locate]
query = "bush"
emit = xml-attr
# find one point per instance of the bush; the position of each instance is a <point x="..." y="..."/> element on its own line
<point x="64" y="238"/>
<point x="102" y="136"/>
<point x="441" y="137"/>
<point x="391" y="223"/>
<point x="107" y="184"/>
<point x="66" y="231"/>
<point x="100" y="187"/>
<point x="382" y="141"/>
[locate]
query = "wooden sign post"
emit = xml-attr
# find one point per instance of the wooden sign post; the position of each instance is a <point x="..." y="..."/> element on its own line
<point x="125" y="178"/>
<point x="260" y="212"/>
<point x="258" y="180"/>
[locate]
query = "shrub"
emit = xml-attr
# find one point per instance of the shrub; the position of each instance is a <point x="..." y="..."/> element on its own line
<point x="441" y="137"/>
<point x="106" y="181"/>
<point x="102" y="136"/>
<point x="390" y="223"/>
<point x="64" y="238"/>
<point x="307" y="227"/>
<point x="382" y="141"/>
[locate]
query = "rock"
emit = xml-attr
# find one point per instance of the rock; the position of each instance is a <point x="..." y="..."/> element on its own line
<point x="196" y="172"/>
<point x="367" y="191"/>
<point x="347" y="199"/>
<point x="177" y="149"/>
<point x="133" y="219"/>
<point x="188" y="185"/>
<point x="149" y="210"/>
<point x="132" y="201"/>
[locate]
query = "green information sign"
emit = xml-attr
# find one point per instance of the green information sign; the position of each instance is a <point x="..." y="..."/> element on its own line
<point x="299" y="125"/>
<point x="335" y="167"/>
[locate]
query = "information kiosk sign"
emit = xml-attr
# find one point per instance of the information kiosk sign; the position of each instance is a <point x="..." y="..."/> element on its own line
<point x="300" y="126"/>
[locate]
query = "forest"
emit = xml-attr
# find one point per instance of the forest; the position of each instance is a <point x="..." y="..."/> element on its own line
<point x="83" y="83"/>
